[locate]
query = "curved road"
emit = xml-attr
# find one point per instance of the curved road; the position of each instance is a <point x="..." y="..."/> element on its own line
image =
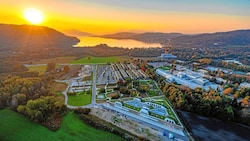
<point x="93" y="100"/>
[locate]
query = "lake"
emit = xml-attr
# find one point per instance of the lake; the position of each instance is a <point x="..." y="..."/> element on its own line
<point x="210" y="129"/>
<point x="124" y="43"/>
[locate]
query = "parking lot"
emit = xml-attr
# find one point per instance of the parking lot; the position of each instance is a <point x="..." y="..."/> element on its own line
<point x="105" y="75"/>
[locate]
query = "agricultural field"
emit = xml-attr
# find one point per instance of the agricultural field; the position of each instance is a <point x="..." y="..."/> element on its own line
<point x="15" y="127"/>
<point x="98" y="60"/>
<point x="80" y="99"/>
<point x="41" y="68"/>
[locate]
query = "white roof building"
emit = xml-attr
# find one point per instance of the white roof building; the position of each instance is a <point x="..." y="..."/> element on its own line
<point x="244" y="85"/>
<point x="234" y="61"/>
<point x="191" y="80"/>
<point x="168" y="56"/>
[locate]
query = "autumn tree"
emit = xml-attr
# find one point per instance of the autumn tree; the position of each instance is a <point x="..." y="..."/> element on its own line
<point x="236" y="94"/>
<point x="228" y="91"/>
<point x="66" y="69"/>
<point x="50" y="66"/>
<point x="205" y="61"/>
<point x="43" y="109"/>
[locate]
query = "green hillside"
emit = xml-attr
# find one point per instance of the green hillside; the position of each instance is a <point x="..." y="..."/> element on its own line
<point x="15" y="127"/>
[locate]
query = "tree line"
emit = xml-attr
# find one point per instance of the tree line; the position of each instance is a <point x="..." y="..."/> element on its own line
<point x="30" y="95"/>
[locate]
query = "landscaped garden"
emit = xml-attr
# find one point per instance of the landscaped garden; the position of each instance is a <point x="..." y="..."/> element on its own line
<point x="15" y="127"/>
<point x="149" y="87"/>
<point x="131" y="107"/>
<point x="171" y="114"/>
<point x="159" y="101"/>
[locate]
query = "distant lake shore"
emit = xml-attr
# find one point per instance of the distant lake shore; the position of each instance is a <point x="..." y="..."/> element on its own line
<point x="210" y="129"/>
<point x="86" y="41"/>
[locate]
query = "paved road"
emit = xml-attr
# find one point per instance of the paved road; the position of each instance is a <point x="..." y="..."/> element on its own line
<point x="69" y="82"/>
<point x="93" y="101"/>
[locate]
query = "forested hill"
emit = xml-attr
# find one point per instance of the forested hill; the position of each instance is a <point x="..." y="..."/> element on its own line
<point x="32" y="37"/>
<point x="149" y="37"/>
<point x="237" y="37"/>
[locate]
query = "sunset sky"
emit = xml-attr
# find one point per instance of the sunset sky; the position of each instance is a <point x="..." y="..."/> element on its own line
<point x="109" y="16"/>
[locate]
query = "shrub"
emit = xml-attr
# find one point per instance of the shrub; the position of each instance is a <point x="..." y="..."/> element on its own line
<point x="82" y="111"/>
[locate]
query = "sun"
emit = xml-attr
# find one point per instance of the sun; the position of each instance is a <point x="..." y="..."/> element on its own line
<point x="34" y="16"/>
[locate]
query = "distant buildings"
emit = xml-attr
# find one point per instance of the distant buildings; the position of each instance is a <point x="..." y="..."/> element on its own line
<point x="218" y="69"/>
<point x="123" y="71"/>
<point x="244" y="85"/>
<point x="234" y="61"/>
<point x="168" y="56"/>
<point x="188" y="78"/>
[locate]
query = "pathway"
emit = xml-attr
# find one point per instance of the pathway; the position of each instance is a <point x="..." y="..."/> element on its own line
<point x="69" y="82"/>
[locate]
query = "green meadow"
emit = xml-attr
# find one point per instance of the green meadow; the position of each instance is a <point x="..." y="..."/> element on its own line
<point x="98" y="60"/>
<point x="15" y="127"/>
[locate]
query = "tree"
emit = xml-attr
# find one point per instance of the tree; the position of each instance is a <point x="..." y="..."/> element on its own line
<point x="24" y="90"/>
<point x="102" y="90"/>
<point x="39" y="116"/>
<point x="21" y="109"/>
<point x="205" y="61"/>
<point x="228" y="91"/>
<point x="236" y="95"/>
<point x="14" y="102"/>
<point x="229" y="113"/>
<point x="50" y="66"/>
<point x="89" y="91"/>
<point x="82" y="111"/>
<point x="66" y="69"/>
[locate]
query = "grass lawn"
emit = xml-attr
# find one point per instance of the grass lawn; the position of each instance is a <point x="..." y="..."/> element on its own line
<point x="79" y="100"/>
<point x="153" y="92"/>
<point x="97" y="60"/>
<point x="131" y="107"/>
<point x="165" y="68"/>
<point x="144" y="82"/>
<point x="15" y="127"/>
<point x="40" y="69"/>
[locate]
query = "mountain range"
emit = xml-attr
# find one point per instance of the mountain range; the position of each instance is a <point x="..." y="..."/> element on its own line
<point x="35" y="37"/>
<point x="237" y="37"/>
<point x="148" y="37"/>
<point x="76" y="33"/>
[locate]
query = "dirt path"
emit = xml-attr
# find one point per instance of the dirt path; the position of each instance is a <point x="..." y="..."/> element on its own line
<point x="126" y="124"/>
